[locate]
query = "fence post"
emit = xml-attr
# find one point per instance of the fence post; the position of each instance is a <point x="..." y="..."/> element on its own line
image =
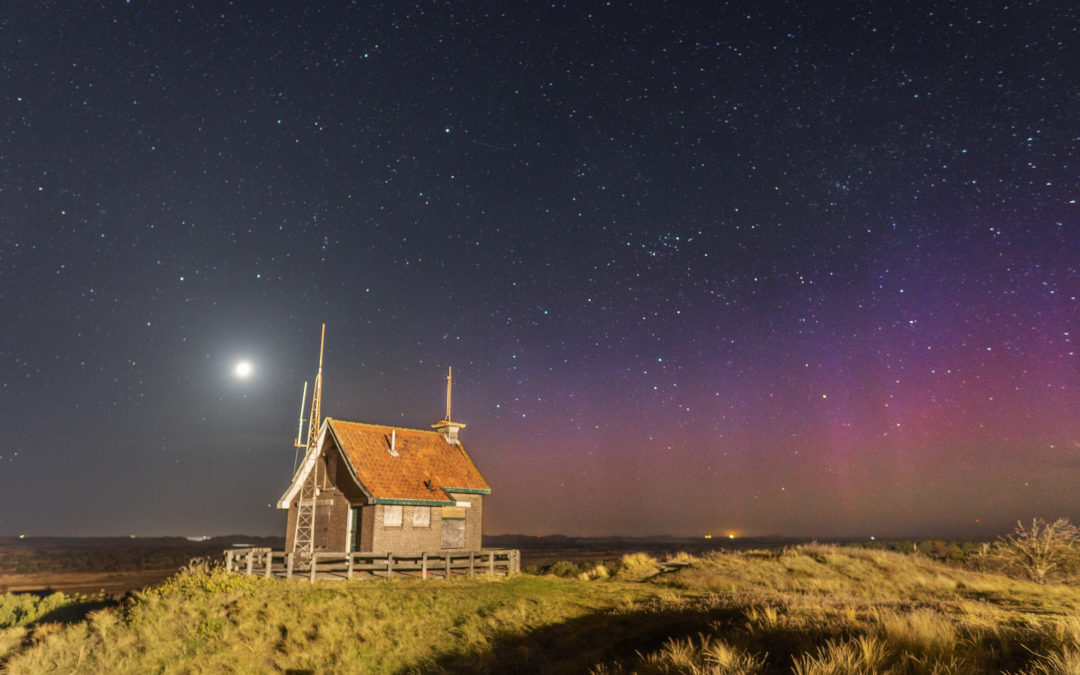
<point x="250" y="561"/>
<point x="314" y="559"/>
<point x="423" y="566"/>
<point x="389" y="565"/>
<point x="491" y="563"/>
<point x="288" y="565"/>
<point x="269" y="563"/>
<point x="348" y="575"/>
<point x="228" y="561"/>
<point x="472" y="563"/>
<point x="448" y="557"/>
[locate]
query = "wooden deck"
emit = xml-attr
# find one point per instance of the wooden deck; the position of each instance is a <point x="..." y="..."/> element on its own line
<point x="329" y="565"/>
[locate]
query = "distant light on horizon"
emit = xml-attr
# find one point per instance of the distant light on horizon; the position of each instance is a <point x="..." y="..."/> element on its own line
<point x="244" y="369"/>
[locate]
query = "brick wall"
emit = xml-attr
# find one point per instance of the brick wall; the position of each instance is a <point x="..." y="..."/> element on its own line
<point x="406" y="538"/>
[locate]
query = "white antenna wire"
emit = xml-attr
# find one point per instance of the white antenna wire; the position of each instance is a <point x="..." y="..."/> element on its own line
<point x="299" y="430"/>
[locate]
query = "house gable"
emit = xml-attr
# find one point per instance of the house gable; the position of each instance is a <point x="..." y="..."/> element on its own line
<point x="305" y="468"/>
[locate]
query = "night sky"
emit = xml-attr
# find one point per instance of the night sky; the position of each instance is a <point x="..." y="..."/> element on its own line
<point x="788" y="268"/>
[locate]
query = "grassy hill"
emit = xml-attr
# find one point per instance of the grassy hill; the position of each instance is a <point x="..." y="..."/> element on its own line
<point x="809" y="609"/>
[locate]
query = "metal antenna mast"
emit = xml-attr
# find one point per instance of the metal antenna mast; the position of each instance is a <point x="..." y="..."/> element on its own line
<point x="304" y="535"/>
<point x="299" y="430"/>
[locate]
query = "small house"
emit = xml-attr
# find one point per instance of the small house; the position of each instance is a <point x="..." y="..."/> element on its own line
<point x="385" y="489"/>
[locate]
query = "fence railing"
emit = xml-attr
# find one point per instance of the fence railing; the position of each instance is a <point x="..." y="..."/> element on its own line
<point x="332" y="565"/>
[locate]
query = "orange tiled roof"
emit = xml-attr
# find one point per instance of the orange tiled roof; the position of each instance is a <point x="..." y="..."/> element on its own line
<point x="424" y="467"/>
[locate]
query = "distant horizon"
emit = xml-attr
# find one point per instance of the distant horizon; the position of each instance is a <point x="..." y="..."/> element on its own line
<point x="715" y="538"/>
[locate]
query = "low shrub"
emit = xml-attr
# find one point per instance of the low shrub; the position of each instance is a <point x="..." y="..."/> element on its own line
<point x="25" y="609"/>
<point x="1044" y="553"/>
<point x="564" y="568"/>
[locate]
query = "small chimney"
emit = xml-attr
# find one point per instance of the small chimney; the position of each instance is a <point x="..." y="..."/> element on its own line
<point x="446" y="427"/>
<point x="449" y="430"/>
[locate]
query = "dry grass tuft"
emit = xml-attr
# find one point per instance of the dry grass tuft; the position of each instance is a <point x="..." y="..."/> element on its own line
<point x="599" y="571"/>
<point x="865" y="654"/>
<point x="11" y="639"/>
<point x="699" y="655"/>
<point x="679" y="558"/>
<point x="922" y="633"/>
<point x="637" y="567"/>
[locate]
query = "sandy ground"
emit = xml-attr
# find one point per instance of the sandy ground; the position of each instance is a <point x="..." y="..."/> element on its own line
<point x="113" y="583"/>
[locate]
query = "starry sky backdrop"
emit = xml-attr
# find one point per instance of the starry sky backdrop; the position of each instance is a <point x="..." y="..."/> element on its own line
<point x="771" y="268"/>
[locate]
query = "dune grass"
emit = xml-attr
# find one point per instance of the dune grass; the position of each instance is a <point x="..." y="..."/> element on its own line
<point x="822" y="609"/>
<point x="811" y="609"/>
<point x="212" y="621"/>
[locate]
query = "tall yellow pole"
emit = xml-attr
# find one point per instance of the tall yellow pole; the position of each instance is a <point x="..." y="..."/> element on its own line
<point x="449" y="384"/>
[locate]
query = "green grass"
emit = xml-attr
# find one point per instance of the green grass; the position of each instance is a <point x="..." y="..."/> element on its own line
<point x="812" y="609"/>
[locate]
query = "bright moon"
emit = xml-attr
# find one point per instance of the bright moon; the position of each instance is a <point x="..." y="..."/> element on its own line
<point x="243" y="369"/>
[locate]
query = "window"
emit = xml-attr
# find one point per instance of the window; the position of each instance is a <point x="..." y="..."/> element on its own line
<point x="391" y="516"/>
<point x="421" y="516"/>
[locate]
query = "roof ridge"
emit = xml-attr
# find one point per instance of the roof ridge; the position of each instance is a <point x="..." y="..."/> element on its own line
<point x="384" y="426"/>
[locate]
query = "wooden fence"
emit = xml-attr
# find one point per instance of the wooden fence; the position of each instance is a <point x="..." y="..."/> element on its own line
<point x="441" y="564"/>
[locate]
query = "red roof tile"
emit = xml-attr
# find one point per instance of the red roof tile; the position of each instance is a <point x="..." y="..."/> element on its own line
<point x="425" y="464"/>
